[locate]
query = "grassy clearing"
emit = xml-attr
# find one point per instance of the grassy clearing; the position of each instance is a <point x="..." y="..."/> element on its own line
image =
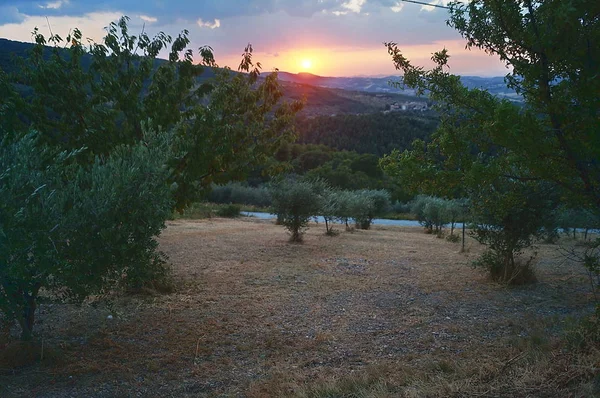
<point x="389" y="312"/>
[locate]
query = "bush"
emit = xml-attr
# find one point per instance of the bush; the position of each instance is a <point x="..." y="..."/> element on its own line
<point x="509" y="216"/>
<point x="74" y="231"/>
<point x="518" y="272"/>
<point x="431" y="212"/>
<point x="368" y="204"/>
<point x="240" y="194"/>
<point x="453" y="238"/>
<point x="361" y="207"/>
<point x="295" y="202"/>
<point x="229" y="211"/>
<point x="344" y="207"/>
<point x="330" y="208"/>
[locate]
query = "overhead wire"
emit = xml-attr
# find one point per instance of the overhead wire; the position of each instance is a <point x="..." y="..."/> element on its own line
<point x="426" y="4"/>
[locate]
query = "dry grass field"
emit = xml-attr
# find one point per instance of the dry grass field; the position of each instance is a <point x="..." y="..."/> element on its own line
<point x="390" y="312"/>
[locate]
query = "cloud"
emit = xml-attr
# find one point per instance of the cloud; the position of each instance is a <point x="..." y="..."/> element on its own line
<point x="354" y="5"/>
<point x="272" y="26"/>
<point x="55" y="5"/>
<point x="212" y="25"/>
<point x="148" y="19"/>
<point x="398" y="7"/>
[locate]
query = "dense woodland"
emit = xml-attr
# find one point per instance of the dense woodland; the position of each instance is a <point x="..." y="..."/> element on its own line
<point x="377" y="133"/>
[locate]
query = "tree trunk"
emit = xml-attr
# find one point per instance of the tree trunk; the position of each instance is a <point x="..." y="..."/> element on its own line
<point x="27" y="320"/>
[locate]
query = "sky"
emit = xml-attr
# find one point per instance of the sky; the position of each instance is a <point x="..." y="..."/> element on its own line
<point x="324" y="37"/>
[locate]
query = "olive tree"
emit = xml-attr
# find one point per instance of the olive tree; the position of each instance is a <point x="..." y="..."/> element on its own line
<point x="508" y="217"/>
<point x="295" y="202"/>
<point x="71" y="230"/>
<point x="365" y="205"/>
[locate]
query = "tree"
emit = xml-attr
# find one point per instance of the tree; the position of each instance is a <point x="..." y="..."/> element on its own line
<point x="481" y="140"/>
<point x="554" y="137"/>
<point x="73" y="230"/>
<point x="85" y="188"/>
<point x="508" y="216"/>
<point x="225" y="122"/>
<point x="295" y="202"/>
<point x="365" y="205"/>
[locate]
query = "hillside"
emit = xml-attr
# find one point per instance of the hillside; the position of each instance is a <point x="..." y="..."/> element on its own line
<point x="377" y="133"/>
<point x="319" y="100"/>
<point x="494" y="85"/>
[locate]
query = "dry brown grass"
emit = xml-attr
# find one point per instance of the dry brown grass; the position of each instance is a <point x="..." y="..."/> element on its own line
<point x="382" y="313"/>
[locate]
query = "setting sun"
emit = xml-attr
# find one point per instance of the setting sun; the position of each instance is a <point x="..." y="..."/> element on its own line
<point x="306" y="64"/>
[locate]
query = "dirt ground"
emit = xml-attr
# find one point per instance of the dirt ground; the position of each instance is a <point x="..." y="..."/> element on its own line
<point x="381" y="313"/>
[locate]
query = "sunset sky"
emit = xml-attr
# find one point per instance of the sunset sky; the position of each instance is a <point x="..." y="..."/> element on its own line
<point x="324" y="37"/>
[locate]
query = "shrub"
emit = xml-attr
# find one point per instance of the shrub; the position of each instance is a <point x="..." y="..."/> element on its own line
<point x="74" y="230"/>
<point x="431" y="212"/>
<point x="509" y="216"/>
<point x="240" y="194"/>
<point x="453" y="238"/>
<point x="518" y="272"/>
<point x="229" y="211"/>
<point x="330" y="208"/>
<point x="368" y="204"/>
<point x="361" y="206"/>
<point x="295" y="202"/>
<point x="344" y="206"/>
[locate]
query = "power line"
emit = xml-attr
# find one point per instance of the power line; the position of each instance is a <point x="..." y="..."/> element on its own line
<point x="426" y="4"/>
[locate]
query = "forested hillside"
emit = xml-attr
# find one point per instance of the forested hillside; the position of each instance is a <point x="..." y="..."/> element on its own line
<point x="376" y="133"/>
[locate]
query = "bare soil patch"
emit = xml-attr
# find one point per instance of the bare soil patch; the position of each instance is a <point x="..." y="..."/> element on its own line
<point x="386" y="312"/>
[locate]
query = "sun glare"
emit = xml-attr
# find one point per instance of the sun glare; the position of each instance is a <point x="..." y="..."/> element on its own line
<point x="306" y="64"/>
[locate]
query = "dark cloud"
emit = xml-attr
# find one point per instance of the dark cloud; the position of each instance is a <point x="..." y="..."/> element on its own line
<point x="175" y="10"/>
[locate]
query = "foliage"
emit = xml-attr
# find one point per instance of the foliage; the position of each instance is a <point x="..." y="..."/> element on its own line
<point x="552" y="138"/>
<point x="344" y="207"/>
<point x="103" y="95"/>
<point x="74" y="230"/>
<point x="429" y="211"/>
<point x="240" y="193"/>
<point x="85" y="196"/>
<point x="374" y="133"/>
<point x="295" y="202"/>
<point x="507" y="217"/>
<point x="365" y="205"/>
<point x="229" y="211"/>
<point x="330" y="208"/>
<point x="483" y="141"/>
<point x="570" y="220"/>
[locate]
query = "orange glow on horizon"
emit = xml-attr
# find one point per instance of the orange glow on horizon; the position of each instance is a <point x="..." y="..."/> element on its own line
<point x="368" y="61"/>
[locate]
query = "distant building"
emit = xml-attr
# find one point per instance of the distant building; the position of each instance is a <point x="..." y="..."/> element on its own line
<point x="407" y="106"/>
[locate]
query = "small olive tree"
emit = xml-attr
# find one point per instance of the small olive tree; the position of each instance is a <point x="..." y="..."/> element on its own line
<point x="73" y="231"/>
<point x="295" y="202"/>
<point x="344" y="207"/>
<point x="330" y="207"/>
<point x="368" y="204"/>
<point x="509" y="216"/>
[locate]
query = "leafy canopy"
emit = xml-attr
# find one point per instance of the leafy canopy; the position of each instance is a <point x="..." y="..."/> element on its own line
<point x="554" y="136"/>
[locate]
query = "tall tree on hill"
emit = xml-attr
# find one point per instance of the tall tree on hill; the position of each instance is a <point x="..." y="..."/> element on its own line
<point x="484" y="141"/>
<point x="97" y="146"/>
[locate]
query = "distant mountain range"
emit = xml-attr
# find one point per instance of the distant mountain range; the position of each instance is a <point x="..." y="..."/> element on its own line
<point x="494" y="85"/>
<point x="323" y="95"/>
